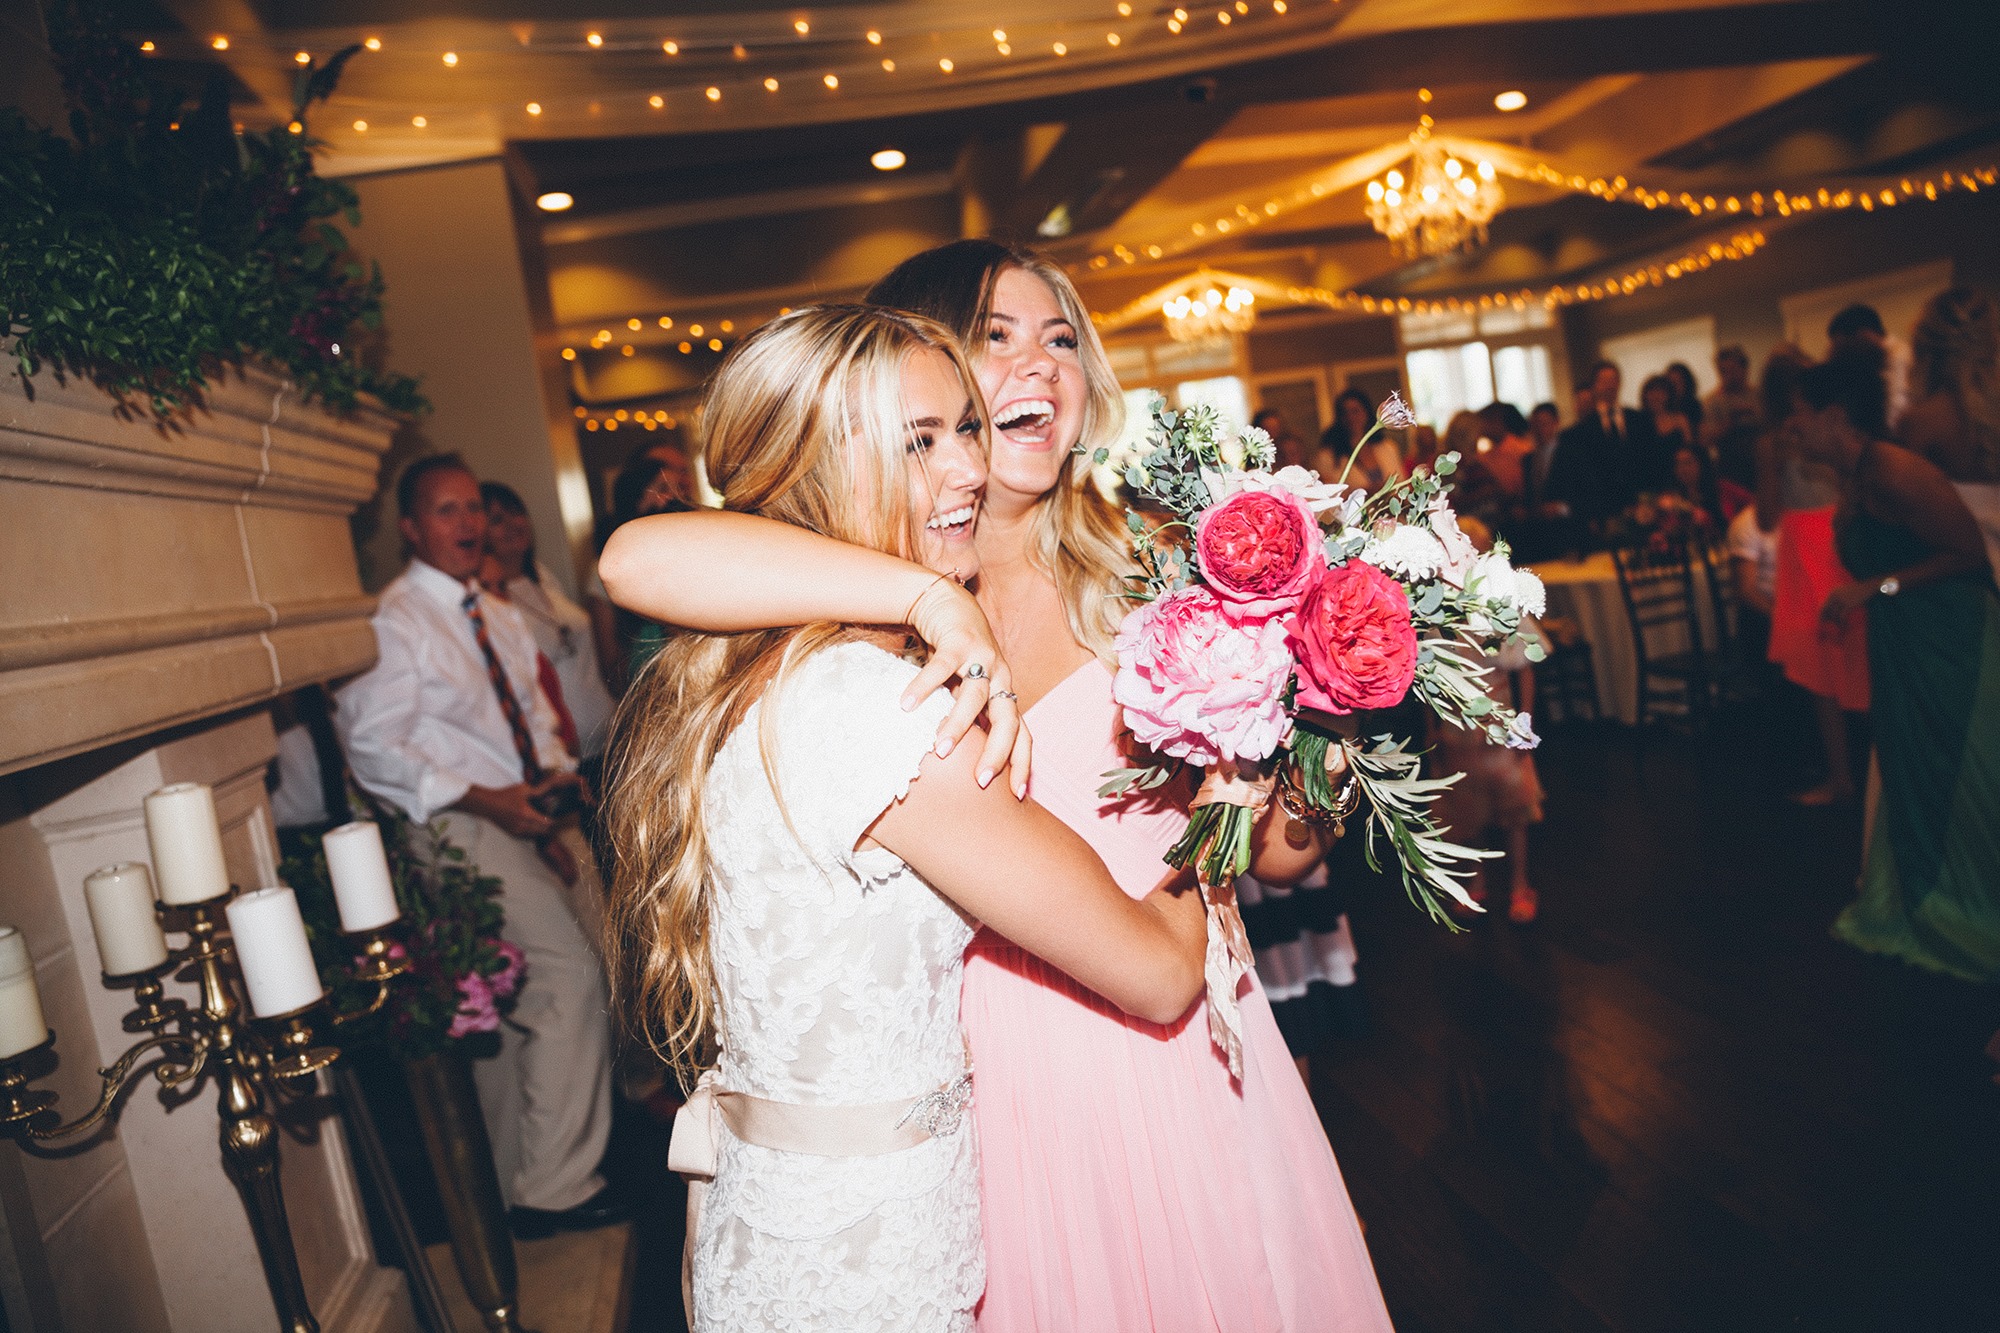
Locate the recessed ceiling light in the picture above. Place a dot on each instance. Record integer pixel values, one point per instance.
(888, 159)
(831, 80)
(419, 121)
(361, 127)
(555, 201)
(801, 27)
(671, 48)
(713, 94)
(1511, 100)
(451, 59)
(595, 38)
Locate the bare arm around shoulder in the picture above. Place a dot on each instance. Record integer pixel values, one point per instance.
(724, 572)
(1020, 870)
(1916, 494)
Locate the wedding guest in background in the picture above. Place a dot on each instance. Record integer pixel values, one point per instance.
(1500, 792)
(563, 630)
(1693, 480)
(1860, 326)
(1423, 451)
(1955, 422)
(1513, 446)
(450, 725)
(1658, 432)
(1291, 451)
(1380, 463)
(493, 580)
(1930, 882)
(1686, 397)
(1753, 572)
(1595, 474)
(1732, 404)
(1795, 498)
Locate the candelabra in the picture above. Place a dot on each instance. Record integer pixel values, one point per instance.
(247, 1057)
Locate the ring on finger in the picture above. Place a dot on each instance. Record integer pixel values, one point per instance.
(1006, 694)
(974, 671)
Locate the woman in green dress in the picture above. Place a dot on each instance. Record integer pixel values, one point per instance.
(1930, 891)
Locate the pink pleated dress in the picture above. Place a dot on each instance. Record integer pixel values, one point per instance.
(1127, 1184)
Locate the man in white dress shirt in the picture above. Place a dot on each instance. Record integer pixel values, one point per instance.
(451, 725)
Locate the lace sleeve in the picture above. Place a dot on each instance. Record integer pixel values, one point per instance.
(850, 751)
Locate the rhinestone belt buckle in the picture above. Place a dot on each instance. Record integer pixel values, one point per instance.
(938, 1112)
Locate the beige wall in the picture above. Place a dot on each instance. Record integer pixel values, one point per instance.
(460, 312)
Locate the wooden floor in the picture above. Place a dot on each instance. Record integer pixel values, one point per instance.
(1674, 1104)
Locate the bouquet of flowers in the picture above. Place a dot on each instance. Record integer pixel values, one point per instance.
(463, 973)
(1273, 605)
(1663, 522)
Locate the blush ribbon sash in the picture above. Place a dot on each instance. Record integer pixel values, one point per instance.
(819, 1131)
(1228, 958)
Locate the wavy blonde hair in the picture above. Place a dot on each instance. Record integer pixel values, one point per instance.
(1079, 539)
(1956, 351)
(805, 425)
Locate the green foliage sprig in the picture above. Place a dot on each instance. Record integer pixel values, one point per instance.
(153, 244)
(450, 931)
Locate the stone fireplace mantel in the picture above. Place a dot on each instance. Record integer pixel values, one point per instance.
(160, 574)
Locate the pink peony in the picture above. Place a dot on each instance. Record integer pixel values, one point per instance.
(476, 1010)
(513, 967)
(1357, 648)
(1259, 551)
(1200, 685)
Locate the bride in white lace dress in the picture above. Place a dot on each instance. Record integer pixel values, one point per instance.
(798, 873)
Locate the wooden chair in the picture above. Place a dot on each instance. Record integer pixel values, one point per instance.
(1565, 680)
(1657, 584)
(1738, 671)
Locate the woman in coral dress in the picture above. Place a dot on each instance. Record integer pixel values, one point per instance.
(1127, 1181)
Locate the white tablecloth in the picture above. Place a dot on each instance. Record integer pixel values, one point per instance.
(1586, 592)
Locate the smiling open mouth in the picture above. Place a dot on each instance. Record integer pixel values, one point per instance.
(955, 522)
(1026, 420)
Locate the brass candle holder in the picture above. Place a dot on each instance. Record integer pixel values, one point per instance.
(247, 1057)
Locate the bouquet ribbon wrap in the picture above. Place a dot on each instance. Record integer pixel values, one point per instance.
(1229, 956)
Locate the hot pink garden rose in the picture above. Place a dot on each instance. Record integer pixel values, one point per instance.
(1200, 685)
(1356, 646)
(1259, 551)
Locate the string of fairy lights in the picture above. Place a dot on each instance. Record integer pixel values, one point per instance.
(777, 56)
(1779, 201)
(625, 418)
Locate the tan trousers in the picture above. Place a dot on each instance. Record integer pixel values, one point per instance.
(547, 1095)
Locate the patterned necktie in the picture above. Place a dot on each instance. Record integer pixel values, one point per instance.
(531, 768)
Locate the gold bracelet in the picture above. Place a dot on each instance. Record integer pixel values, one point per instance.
(920, 597)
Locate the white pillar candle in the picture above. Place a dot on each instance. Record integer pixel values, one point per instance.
(187, 843)
(272, 950)
(22, 1026)
(128, 933)
(362, 888)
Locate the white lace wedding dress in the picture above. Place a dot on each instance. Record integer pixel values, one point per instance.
(839, 976)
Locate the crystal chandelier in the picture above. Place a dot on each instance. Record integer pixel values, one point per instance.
(1442, 207)
(1201, 316)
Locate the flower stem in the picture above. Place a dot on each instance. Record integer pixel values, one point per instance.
(1355, 452)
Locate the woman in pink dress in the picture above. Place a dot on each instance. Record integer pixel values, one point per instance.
(1127, 1181)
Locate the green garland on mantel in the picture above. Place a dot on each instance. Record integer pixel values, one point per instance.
(154, 244)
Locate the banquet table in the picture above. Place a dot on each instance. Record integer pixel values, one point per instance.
(1585, 592)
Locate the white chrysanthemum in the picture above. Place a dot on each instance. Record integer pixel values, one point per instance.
(1406, 550)
(1498, 581)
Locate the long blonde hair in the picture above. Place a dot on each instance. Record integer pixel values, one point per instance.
(1078, 539)
(805, 425)
(1956, 351)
